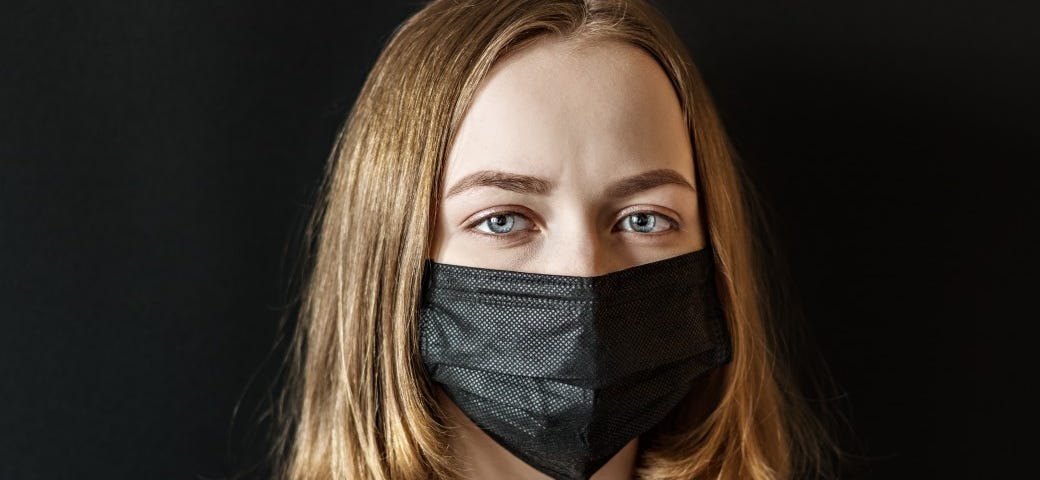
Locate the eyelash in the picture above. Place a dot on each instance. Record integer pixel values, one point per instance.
(673, 225)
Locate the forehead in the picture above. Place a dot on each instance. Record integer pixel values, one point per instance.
(562, 108)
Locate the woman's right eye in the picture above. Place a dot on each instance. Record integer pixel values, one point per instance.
(502, 223)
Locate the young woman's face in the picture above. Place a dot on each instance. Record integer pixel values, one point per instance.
(570, 161)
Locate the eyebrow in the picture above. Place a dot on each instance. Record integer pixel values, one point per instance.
(629, 186)
(528, 184)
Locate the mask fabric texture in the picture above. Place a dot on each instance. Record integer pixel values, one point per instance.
(563, 371)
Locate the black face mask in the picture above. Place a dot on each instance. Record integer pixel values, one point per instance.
(564, 371)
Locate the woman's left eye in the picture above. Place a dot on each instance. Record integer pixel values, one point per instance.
(646, 222)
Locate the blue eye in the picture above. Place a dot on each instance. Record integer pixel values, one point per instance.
(646, 222)
(502, 223)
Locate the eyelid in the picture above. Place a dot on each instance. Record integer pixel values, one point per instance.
(625, 213)
(481, 217)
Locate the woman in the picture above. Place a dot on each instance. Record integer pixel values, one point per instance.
(565, 152)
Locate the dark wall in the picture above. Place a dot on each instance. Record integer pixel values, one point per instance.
(157, 160)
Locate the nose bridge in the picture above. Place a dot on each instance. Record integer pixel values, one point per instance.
(580, 252)
(577, 244)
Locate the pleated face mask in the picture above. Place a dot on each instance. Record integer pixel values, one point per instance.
(564, 371)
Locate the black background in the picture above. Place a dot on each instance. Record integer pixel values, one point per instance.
(157, 160)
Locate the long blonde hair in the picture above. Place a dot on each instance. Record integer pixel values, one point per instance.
(356, 403)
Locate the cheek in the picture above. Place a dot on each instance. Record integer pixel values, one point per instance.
(450, 242)
(439, 237)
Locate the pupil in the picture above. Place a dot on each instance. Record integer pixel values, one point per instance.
(641, 222)
(500, 223)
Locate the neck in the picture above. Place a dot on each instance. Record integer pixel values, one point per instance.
(480, 456)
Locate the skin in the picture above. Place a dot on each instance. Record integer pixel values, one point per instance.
(580, 118)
